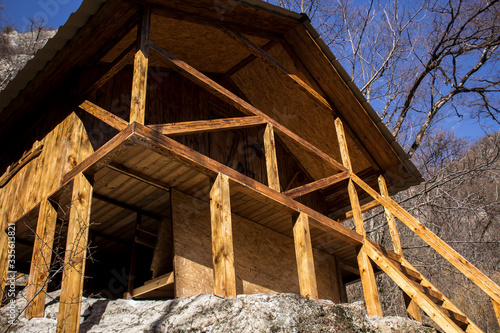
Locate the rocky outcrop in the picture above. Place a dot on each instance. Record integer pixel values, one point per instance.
(208, 313)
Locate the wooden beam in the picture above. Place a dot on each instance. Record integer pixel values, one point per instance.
(103, 115)
(433, 310)
(4, 259)
(125, 206)
(116, 66)
(317, 185)
(270, 61)
(469, 270)
(222, 238)
(41, 259)
(367, 274)
(364, 208)
(214, 125)
(344, 151)
(496, 308)
(252, 30)
(164, 281)
(396, 243)
(136, 175)
(304, 255)
(68, 319)
(235, 101)
(140, 78)
(273, 177)
(411, 306)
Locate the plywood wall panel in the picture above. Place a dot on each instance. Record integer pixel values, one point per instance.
(264, 260)
(63, 148)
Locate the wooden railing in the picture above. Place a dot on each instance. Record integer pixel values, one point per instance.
(446, 251)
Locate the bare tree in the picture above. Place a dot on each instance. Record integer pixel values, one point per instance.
(418, 63)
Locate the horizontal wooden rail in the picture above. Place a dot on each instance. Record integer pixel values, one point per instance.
(103, 115)
(460, 263)
(214, 125)
(364, 208)
(202, 80)
(317, 185)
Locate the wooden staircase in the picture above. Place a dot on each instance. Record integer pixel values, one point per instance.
(426, 295)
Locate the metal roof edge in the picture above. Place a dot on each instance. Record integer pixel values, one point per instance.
(366, 105)
(65, 33)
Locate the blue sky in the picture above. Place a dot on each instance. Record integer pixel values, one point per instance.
(53, 12)
(56, 12)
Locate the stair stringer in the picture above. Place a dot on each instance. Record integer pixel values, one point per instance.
(428, 306)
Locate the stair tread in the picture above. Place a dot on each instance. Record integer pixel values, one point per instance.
(458, 318)
(436, 296)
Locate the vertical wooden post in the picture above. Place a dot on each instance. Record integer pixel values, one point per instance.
(68, 319)
(131, 274)
(496, 307)
(305, 260)
(273, 179)
(41, 259)
(222, 238)
(367, 274)
(391, 221)
(140, 78)
(411, 306)
(4, 260)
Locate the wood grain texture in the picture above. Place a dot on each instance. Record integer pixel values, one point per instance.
(265, 259)
(222, 238)
(496, 307)
(273, 176)
(469, 270)
(64, 147)
(140, 78)
(191, 127)
(370, 291)
(107, 117)
(305, 260)
(4, 260)
(345, 102)
(41, 259)
(428, 306)
(68, 318)
(235, 101)
(317, 185)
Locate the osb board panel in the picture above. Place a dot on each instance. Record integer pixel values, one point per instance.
(278, 53)
(204, 47)
(63, 148)
(233, 13)
(264, 259)
(283, 100)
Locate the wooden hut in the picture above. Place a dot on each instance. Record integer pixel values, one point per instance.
(209, 146)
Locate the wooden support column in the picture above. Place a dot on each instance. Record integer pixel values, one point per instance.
(4, 260)
(367, 274)
(68, 319)
(273, 179)
(305, 260)
(133, 254)
(411, 306)
(140, 78)
(496, 307)
(222, 238)
(41, 259)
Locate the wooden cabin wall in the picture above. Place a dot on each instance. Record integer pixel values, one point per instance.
(63, 148)
(264, 259)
